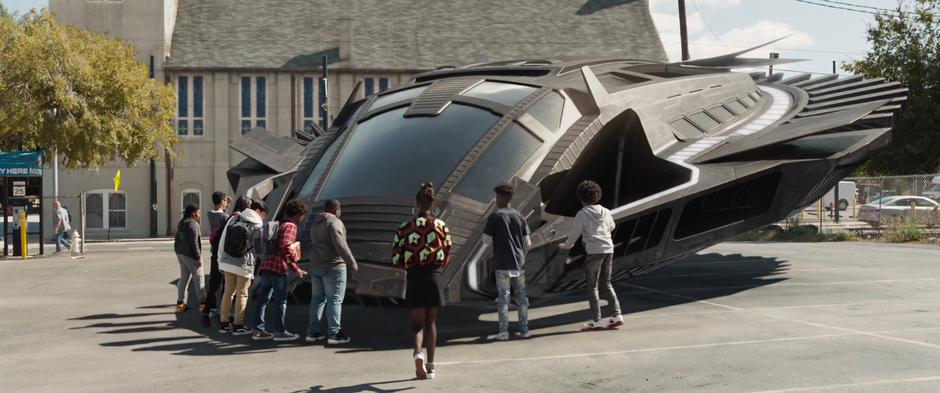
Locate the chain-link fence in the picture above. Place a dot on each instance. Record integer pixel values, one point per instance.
(862, 203)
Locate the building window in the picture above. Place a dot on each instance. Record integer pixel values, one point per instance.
(314, 99)
(105, 209)
(189, 114)
(191, 196)
(373, 85)
(253, 103)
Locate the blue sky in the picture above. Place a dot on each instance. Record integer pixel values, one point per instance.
(819, 34)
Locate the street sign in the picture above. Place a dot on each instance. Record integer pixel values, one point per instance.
(19, 191)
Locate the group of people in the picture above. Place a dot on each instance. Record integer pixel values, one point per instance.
(247, 249)
(421, 246)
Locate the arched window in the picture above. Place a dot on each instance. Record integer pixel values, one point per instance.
(191, 196)
(105, 209)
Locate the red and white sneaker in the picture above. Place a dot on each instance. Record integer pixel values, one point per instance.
(615, 322)
(592, 326)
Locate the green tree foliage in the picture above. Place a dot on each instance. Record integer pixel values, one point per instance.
(80, 91)
(906, 49)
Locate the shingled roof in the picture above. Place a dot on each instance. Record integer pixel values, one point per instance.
(407, 34)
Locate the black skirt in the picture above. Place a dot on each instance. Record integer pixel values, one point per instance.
(423, 288)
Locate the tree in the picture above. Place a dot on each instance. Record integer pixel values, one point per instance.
(84, 93)
(906, 49)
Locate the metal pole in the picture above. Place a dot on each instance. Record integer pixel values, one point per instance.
(683, 32)
(42, 221)
(835, 203)
(833, 66)
(6, 205)
(23, 252)
(82, 214)
(55, 173)
(326, 94)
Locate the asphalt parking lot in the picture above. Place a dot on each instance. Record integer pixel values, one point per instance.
(738, 317)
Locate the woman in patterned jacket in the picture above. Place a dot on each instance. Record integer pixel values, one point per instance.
(422, 248)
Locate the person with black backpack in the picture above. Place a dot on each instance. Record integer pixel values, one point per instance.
(237, 261)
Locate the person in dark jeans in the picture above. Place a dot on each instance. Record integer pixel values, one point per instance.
(595, 225)
(274, 270)
(217, 218)
(508, 233)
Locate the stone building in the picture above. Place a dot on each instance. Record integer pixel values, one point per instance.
(239, 64)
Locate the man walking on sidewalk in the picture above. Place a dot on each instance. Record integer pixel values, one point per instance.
(508, 232)
(62, 227)
(330, 257)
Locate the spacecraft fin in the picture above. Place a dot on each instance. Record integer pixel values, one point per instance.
(796, 129)
(733, 60)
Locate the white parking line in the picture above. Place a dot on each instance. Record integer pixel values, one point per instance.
(851, 385)
(684, 347)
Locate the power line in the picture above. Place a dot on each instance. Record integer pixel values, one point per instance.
(708, 25)
(841, 5)
(837, 7)
(857, 5)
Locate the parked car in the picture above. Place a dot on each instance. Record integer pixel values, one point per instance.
(933, 192)
(887, 208)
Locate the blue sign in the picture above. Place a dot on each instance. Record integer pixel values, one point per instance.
(21, 164)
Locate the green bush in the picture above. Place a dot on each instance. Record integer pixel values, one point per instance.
(901, 231)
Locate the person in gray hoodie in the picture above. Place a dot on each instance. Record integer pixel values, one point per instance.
(330, 258)
(188, 248)
(594, 225)
(239, 271)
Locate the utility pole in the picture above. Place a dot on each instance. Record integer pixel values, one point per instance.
(683, 32)
(770, 68)
(153, 178)
(835, 192)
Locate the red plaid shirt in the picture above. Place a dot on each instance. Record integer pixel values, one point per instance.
(284, 256)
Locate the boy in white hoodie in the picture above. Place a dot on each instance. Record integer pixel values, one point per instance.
(594, 225)
(239, 270)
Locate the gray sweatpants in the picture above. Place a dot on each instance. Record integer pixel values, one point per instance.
(189, 273)
(597, 267)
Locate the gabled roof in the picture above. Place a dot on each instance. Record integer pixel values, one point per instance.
(407, 34)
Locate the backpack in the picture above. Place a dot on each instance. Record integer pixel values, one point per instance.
(269, 239)
(239, 238)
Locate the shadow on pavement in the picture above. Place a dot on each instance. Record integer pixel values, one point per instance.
(379, 328)
(363, 387)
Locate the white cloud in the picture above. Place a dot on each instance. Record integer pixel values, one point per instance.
(702, 43)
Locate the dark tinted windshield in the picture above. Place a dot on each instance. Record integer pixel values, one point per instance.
(319, 170)
(390, 155)
(548, 110)
(498, 163)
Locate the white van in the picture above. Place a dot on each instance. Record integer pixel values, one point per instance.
(846, 195)
(933, 192)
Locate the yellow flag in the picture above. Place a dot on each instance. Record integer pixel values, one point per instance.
(117, 180)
